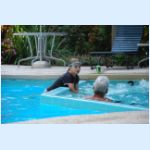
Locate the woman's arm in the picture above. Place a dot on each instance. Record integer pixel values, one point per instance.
(72, 88)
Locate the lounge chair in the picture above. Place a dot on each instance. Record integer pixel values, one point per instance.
(125, 41)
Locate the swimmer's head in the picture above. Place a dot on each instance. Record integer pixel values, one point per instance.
(131, 83)
(101, 85)
(75, 67)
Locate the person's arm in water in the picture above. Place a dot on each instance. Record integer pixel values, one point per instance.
(76, 87)
(72, 87)
(72, 81)
(76, 84)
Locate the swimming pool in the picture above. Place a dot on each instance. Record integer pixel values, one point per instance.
(119, 92)
(22, 100)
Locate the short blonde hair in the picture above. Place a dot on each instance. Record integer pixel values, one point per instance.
(101, 84)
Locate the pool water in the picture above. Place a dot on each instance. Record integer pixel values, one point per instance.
(21, 99)
(119, 92)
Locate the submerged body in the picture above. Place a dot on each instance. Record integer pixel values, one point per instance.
(99, 98)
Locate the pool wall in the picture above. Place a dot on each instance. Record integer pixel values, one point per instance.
(53, 97)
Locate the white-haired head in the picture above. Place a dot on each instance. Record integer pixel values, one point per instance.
(101, 85)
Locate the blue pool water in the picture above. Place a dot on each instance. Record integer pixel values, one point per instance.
(22, 100)
(119, 92)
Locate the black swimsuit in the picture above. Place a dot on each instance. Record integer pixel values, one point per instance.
(63, 81)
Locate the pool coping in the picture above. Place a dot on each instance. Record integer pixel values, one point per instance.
(131, 117)
(26, 72)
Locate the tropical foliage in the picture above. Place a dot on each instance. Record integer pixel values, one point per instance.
(80, 40)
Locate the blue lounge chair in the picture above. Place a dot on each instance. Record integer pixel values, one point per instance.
(125, 41)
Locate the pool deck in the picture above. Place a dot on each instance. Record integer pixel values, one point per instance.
(12, 71)
(119, 73)
(135, 117)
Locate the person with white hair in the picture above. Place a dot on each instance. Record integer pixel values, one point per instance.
(100, 88)
(70, 79)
